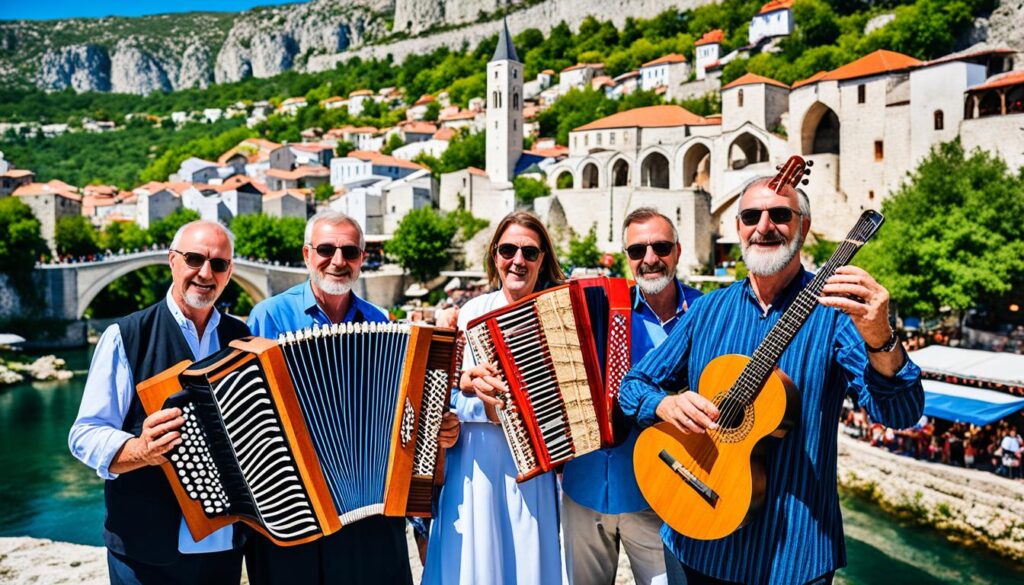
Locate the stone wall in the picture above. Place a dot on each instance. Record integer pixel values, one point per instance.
(965, 504)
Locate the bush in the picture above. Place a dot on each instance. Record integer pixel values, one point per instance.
(420, 244)
(75, 236)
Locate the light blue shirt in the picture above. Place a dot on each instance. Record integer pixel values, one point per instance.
(96, 436)
(296, 309)
(604, 480)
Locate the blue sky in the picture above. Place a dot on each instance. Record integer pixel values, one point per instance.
(22, 9)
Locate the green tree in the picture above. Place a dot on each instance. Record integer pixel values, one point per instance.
(75, 236)
(465, 150)
(162, 232)
(528, 189)
(433, 111)
(953, 236)
(583, 252)
(269, 238)
(343, 148)
(395, 141)
(22, 246)
(420, 244)
(323, 192)
(126, 235)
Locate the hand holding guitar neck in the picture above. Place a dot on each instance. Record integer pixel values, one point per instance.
(855, 292)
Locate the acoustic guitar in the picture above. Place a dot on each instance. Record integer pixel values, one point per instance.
(706, 486)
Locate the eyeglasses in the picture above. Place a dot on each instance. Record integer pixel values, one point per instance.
(349, 252)
(777, 215)
(196, 260)
(638, 251)
(508, 251)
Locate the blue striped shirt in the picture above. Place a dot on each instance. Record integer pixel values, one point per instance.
(798, 534)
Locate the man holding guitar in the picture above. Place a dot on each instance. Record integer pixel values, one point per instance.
(786, 525)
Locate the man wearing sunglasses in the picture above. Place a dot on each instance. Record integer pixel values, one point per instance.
(373, 550)
(146, 537)
(845, 345)
(603, 508)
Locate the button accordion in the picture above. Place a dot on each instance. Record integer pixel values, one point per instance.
(301, 436)
(562, 353)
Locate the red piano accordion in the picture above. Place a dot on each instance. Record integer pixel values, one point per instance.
(300, 436)
(562, 353)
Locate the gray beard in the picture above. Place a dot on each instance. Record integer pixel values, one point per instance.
(769, 263)
(654, 286)
(197, 301)
(330, 287)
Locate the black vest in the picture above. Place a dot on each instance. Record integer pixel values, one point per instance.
(143, 517)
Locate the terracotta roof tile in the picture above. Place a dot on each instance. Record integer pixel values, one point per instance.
(299, 173)
(774, 5)
(812, 79)
(424, 100)
(753, 78)
(1002, 80)
(476, 171)
(296, 193)
(384, 160)
(444, 134)
(714, 36)
(649, 117)
(54, 187)
(670, 58)
(17, 173)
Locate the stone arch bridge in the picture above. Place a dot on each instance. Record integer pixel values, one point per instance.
(70, 288)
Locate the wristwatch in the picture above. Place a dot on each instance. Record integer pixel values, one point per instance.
(885, 347)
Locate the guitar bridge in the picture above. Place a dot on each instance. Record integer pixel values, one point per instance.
(692, 480)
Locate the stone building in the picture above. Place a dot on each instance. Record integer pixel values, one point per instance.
(49, 203)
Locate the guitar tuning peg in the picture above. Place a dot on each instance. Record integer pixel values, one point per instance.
(807, 172)
(778, 167)
(805, 181)
(810, 163)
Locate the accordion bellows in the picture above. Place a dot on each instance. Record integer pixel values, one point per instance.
(562, 353)
(302, 436)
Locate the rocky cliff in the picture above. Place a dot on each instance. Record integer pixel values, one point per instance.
(176, 51)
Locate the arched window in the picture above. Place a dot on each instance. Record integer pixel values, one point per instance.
(739, 97)
(620, 173)
(589, 176)
(654, 171)
(515, 101)
(564, 180)
(938, 120)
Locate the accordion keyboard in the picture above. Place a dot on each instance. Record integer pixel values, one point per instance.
(524, 339)
(263, 456)
(511, 420)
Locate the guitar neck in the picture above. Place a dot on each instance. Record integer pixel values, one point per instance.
(767, 355)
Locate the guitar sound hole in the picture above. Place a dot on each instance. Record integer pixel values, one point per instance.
(730, 414)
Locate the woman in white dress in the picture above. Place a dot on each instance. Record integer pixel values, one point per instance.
(489, 529)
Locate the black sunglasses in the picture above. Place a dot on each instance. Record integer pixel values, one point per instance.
(777, 215)
(508, 251)
(638, 251)
(196, 260)
(349, 252)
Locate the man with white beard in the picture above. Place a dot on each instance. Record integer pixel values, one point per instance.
(846, 345)
(146, 537)
(374, 549)
(602, 504)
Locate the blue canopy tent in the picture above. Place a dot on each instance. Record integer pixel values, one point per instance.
(1002, 373)
(965, 404)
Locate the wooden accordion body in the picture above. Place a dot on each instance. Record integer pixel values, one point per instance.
(562, 353)
(301, 436)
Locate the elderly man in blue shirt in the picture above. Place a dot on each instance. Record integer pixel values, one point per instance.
(602, 504)
(372, 550)
(846, 345)
(145, 534)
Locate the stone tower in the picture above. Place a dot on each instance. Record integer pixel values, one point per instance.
(504, 110)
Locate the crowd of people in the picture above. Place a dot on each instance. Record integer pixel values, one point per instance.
(995, 447)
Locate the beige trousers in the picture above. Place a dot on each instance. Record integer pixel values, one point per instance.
(592, 545)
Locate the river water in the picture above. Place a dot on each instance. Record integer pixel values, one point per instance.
(46, 493)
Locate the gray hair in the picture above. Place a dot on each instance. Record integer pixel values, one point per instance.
(176, 241)
(643, 214)
(332, 217)
(802, 200)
